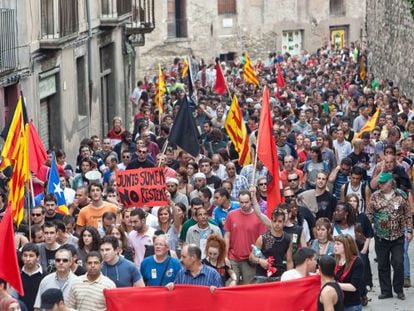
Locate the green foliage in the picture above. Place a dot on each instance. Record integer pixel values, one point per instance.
(411, 2)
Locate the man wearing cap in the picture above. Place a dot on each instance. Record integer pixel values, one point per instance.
(52, 299)
(176, 196)
(390, 213)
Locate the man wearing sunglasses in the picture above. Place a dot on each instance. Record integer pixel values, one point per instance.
(37, 216)
(62, 279)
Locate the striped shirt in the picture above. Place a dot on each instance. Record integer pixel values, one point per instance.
(207, 277)
(86, 295)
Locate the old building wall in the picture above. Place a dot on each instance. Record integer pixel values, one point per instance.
(390, 33)
(258, 26)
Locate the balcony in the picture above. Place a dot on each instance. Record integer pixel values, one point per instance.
(115, 12)
(60, 22)
(143, 18)
(8, 41)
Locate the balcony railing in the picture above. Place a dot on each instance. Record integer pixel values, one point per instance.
(60, 20)
(143, 17)
(115, 11)
(8, 40)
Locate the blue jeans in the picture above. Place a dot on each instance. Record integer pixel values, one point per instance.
(406, 258)
(354, 308)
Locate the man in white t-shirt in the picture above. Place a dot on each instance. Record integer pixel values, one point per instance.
(305, 261)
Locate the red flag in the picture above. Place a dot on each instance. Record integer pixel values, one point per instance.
(280, 81)
(220, 87)
(267, 153)
(37, 152)
(9, 267)
(299, 294)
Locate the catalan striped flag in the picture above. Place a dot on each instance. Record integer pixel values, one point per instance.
(16, 153)
(370, 125)
(159, 94)
(185, 68)
(249, 72)
(54, 186)
(236, 129)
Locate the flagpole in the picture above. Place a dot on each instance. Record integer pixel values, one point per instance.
(33, 204)
(164, 149)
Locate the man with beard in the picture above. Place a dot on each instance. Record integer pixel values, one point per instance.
(125, 144)
(176, 196)
(50, 203)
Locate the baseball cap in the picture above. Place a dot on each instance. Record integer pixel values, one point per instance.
(50, 297)
(385, 177)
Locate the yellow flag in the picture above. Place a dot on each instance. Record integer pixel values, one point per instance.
(249, 72)
(185, 68)
(159, 94)
(370, 125)
(237, 132)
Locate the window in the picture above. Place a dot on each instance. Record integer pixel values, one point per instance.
(226, 6)
(81, 81)
(336, 7)
(177, 19)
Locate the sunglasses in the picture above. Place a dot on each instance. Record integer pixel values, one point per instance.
(263, 184)
(126, 157)
(142, 151)
(289, 197)
(65, 260)
(36, 215)
(295, 179)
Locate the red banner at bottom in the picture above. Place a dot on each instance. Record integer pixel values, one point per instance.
(295, 295)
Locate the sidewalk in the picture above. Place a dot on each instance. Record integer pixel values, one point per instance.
(393, 303)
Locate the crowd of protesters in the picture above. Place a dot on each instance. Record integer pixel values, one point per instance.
(341, 191)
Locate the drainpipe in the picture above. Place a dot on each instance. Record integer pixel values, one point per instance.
(90, 80)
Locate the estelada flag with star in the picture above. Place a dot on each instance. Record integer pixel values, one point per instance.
(54, 186)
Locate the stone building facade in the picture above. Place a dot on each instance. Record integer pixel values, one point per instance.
(390, 34)
(226, 28)
(74, 62)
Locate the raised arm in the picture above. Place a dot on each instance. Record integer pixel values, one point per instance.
(263, 218)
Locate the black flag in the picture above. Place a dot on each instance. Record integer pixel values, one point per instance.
(184, 132)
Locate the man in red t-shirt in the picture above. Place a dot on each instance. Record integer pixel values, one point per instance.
(242, 228)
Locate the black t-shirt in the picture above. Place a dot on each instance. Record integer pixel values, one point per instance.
(214, 181)
(79, 270)
(56, 217)
(50, 260)
(326, 205)
(138, 164)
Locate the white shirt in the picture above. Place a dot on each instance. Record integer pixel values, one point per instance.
(291, 275)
